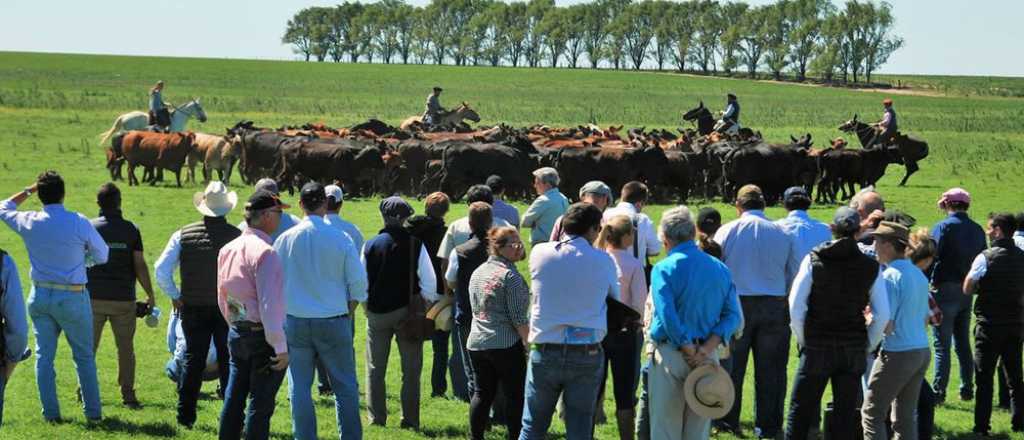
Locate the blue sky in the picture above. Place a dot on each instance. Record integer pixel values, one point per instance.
(956, 37)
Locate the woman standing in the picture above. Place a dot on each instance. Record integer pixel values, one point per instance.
(158, 114)
(497, 337)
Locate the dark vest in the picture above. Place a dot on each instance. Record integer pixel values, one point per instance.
(389, 262)
(840, 291)
(471, 255)
(893, 126)
(115, 280)
(200, 243)
(1001, 291)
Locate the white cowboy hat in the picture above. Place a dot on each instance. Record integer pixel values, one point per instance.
(441, 313)
(709, 391)
(216, 201)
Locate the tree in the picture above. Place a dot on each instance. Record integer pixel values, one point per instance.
(344, 31)
(485, 29)
(436, 30)
(776, 45)
(732, 17)
(512, 32)
(664, 31)
(553, 33)
(595, 31)
(709, 26)
(300, 33)
(827, 55)
(635, 28)
(681, 17)
(880, 44)
(806, 20)
(405, 17)
(857, 18)
(753, 39)
(574, 33)
(532, 46)
(384, 20)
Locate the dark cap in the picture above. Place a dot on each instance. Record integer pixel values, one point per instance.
(395, 207)
(313, 195)
(709, 220)
(730, 96)
(846, 219)
(495, 182)
(794, 192)
(438, 89)
(263, 200)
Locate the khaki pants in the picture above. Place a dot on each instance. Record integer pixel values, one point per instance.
(121, 315)
(896, 380)
(671, 418)
(381, 328)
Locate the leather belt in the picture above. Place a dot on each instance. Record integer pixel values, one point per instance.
(247, 326)
(57, 286)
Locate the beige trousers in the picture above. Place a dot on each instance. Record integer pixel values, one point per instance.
(671, 419)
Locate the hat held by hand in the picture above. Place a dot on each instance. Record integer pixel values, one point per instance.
(709, 392)
(215, 201)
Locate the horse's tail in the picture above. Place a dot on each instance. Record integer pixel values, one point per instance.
(105, 136)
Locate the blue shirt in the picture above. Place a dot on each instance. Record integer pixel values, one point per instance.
(759, 253)
(12, 305)
(541, 215)
(694, 298)
(156, 100)
(322, 272)
(58, 242)
(288, 221)
(806, 231)
(908, 306)
(348, 228)
(958, 240)
(506, 212)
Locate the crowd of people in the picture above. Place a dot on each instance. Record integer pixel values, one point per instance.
(276, 297)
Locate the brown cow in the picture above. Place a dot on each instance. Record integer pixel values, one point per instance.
(216, 153)
(158, 150)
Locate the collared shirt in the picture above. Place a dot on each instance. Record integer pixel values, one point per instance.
(500, 301)
(806, 231)
(60, 243)
(12, 305)
(759, 253)
(1018, 239)
(693, 297)
(647, 243)
(288, 221)
(632, 279)
(801, 292)
(166, 264)
(250, 285)
(322, 270)
(506, 212)
(570, 281)
(541, 215)
(958, 239)
(348, 228)
(459, 232)
(908, 301)
(156, 100)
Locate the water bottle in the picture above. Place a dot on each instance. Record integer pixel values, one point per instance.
(153, 318)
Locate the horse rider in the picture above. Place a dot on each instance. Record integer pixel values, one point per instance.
(885, 129)
(158, 113)
(730, 122)
(433, 109)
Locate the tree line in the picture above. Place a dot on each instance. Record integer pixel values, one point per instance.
(801, 38)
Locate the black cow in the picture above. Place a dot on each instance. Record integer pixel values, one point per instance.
(355, 164)
(464, 165)
(613, 166)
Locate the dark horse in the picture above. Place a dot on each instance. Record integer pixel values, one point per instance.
(910, 149)
(701, 114)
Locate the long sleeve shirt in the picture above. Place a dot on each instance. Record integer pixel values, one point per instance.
(632, 280)
(60, 243)
(541, 215)
(759, 253)
(166, 264)
(322, 270)
(459, 232)
(801, 292)
(806, 232)
(348, 228)
(12, 305)
(693, 297)
(1018, 239)
(646, 239)
(908, 300)
(506, 212)
(288, 221)
(156, 100)
(250, 283)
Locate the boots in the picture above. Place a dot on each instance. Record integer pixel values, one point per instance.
(625, 418)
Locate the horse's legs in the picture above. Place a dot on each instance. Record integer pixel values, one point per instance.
(131, 175)
(911, 169)
(177, 176)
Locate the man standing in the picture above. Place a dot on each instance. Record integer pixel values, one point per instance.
(194, 247)
(546, 208)
(807, 232)
(695, 309)
(112, 286)
(836, 282)
(433, 108)
(566, 330)
(287, 220)
(324, 282)
(59, 244)
(997, 277)
(335, 198)
(249, 283)
(15, 324)
(959, 240)
(394, 259)
(594, 192)
(632, 200)
(762, 259)
(459, 231)
(502, 209)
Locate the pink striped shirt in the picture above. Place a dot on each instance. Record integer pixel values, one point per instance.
(250, 285)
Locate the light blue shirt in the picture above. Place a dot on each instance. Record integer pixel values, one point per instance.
(348, 228)
(908, 306)
(322, 272)
(694, 298)
(288, 221)
(58, 242)
(759, 253)
(806, 231)
(570, 281)
(156, 100)
(13, 308)
(1018, 239)
(541, 215)
(506, 212)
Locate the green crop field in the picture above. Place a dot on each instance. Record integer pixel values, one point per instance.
(53, 106)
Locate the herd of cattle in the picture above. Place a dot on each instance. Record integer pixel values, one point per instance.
(375, 158)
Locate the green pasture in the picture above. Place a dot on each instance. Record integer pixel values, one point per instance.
(53, 106)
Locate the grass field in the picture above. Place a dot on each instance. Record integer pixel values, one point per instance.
(53, 106)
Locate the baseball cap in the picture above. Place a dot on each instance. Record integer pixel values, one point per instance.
(313, 194)
(709, 219)
(495, 182)
(596, 187)
(263, 200)
(795, 192)
(335, 192)
(846, 219)
(955, 195)
(267, 184)
(395, 207)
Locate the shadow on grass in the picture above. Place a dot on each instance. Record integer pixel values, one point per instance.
(118, 425)
(972, 436)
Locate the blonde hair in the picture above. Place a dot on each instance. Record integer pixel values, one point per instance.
(921, 246)
(614, 232)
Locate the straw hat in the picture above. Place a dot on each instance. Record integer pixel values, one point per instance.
(441, 313)
(709, 391)
(215, 201)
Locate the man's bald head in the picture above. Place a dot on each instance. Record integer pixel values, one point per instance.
(867, 202)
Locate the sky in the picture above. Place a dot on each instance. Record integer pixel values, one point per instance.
(942, 37)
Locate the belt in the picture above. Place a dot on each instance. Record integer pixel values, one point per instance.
(57, 286)
(567, 347)
(247, 326)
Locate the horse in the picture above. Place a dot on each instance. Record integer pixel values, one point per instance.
(701, 114)
(138, 120)
(910, 149)
(452, 117)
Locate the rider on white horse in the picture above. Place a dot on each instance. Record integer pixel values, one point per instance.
(730, 122)
(433, 108)
(158, 113)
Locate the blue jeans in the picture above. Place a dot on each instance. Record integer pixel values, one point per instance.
(201, 326)
(767, 334)
(52, 312)
(955, 329)
(438, 381)
(330, 339)
(842, 366)
(554, 370)
(252, 379)
(3, 389)
(459, 364)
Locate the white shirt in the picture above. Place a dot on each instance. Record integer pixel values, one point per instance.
(801, 291)
(978, 268)
(166, 264)
(425, 273)
(647, 242)
(459, 232)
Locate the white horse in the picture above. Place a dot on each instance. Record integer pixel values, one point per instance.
(140, 120)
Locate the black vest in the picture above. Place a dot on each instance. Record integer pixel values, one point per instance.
(1001, 291)
(200, 243)
(471, 255)
(389, 263)
(115, 280)
(840, 291)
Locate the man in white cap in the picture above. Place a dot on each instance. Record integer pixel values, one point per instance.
(194, 247)
(594, 192)
(287, 220)
(335, 198)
